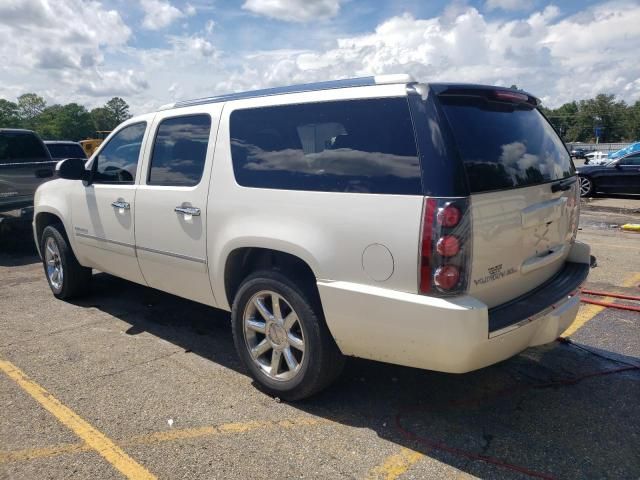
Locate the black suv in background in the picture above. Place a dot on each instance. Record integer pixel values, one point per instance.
(25, 163)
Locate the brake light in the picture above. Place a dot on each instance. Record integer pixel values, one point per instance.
(448, 246)
(447, 277)
(507, 96)
(445, 246)
(449, 216)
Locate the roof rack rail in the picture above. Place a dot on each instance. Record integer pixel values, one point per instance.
(305, 87)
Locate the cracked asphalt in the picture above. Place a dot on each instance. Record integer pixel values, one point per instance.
(159, 377)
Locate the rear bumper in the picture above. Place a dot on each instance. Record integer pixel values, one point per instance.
(448, 335)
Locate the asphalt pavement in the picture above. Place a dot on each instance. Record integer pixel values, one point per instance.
(133, 382)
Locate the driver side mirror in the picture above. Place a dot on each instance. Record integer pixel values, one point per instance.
(617, 165)
(73, 169)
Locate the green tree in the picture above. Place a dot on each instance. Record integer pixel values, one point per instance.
(102, 119)
(118, 110)
(30, 106)
(65, 122)
(9, 114)
(632, 122)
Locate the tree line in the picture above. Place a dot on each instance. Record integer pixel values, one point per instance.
(613, 120)
(576, 121)
(61, 122)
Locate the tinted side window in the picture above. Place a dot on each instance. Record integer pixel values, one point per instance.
(118, 160)
(65, 150)
(21, 147)
(364, 146)
(179, 151)
(631, 160)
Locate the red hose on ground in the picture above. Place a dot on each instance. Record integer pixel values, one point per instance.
(612, 295)
(632, 308)
(435, 445)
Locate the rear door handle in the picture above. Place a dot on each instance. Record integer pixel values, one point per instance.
(193, 211)
(121, 204)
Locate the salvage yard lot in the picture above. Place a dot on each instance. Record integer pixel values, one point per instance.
(141, 383)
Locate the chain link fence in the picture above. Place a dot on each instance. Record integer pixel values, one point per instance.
(600, 147)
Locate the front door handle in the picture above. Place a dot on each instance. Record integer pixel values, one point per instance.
(193, 211)
(121, 204)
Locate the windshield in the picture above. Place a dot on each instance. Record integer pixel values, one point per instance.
(66, 150)
(504, 145)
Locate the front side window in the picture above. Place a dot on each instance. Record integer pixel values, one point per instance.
(179, 151)
(360, 146)
(21, 147)
(118, 160)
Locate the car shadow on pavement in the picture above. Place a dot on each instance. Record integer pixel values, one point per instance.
(526, 412)
(17, 247)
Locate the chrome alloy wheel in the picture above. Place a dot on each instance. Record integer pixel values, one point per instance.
(273, 334)
(585, 186)
(54, 264)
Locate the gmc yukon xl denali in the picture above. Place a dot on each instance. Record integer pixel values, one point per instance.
(427, 225)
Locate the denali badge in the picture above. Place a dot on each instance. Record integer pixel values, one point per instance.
(495, 273)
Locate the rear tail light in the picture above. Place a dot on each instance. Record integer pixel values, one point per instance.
(447, 277)
(449, 216)
(448, 246)
(445, 246)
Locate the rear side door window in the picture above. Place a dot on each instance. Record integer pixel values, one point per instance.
(359, 146)
(117, 162)
(179, 151)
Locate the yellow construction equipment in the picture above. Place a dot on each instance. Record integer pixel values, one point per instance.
(90, 144)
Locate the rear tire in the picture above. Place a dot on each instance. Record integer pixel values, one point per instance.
(586, 187)
(66, 277)
(281, 337)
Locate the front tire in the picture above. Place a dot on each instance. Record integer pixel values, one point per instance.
(66, 277)
(281, 337)
(586, 187)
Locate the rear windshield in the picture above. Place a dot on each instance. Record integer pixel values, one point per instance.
(66, 150)
(20, 147)
(504, 145)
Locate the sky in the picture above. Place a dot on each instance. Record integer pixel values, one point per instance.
(153, 52)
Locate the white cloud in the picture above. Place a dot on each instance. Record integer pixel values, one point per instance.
(159, 14)
(40, 54)
(294, 10)
(556, 57)
(511, 5)
(576, 57)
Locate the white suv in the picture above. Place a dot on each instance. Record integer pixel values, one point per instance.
(423, 225)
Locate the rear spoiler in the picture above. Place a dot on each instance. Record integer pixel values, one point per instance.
(494, 94)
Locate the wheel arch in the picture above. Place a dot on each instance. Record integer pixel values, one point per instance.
(241, 261)
(44, 218)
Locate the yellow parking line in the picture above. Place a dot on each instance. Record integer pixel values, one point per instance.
(160, 437)
(395, 465)
(93, 438)
(587, 311)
